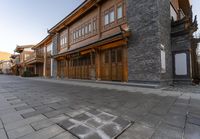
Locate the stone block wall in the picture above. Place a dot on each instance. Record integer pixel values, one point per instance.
(150, 25)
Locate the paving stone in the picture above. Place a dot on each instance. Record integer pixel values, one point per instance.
(94, 122)
(160, 110)
(22, 108)
(11, 118)
(122, 122)
(106, 116)
(17, 103)
(19, 132)
(44, 133)
(111, 129)
(81, 131)
(23, 122)
(25, 111)
(31, 114)
(34, 113)
(158, 135)
(41, 107)
(7, 111)
(55, 113)
(193, 119)
(170, 131)
(82, 117)
(3, 134)
(65, 135)
(73, 113)
(192, 131)
(150, 120)
(42, 124)
(137, 131)
(1, 125)
(94, 111)
(66, 124)
(175, 120)
(59, 118)
(93, 136)
(180, 110)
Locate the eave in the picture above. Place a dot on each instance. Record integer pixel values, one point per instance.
(185, 6)
(46, 40)
(74, 15)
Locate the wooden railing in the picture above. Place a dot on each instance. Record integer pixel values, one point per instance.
(34, 56)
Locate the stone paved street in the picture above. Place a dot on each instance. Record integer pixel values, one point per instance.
(54, 109)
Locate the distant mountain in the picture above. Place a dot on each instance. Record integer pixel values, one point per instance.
(4, 56)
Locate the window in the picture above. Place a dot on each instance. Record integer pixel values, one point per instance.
(74, 35)
(119, 12)
(86, 29)
(94, 25)
(112, 16)
(79, 32)
(83, 31)
(26, 56)
(90, 27)
(109, 17)
(106, 19)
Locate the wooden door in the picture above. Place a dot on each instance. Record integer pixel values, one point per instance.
(105, 65)
(111, 64)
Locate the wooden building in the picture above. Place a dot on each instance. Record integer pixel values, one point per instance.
(15, 60)
(25, 52)
(92, 42)
(42, 57)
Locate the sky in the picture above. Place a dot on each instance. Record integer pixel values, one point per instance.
(25, 22)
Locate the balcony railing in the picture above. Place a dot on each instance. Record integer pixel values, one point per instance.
(35, 56)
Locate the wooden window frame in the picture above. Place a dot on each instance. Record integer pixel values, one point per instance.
(121, 4)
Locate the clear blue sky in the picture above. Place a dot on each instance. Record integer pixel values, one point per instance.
(26, 21)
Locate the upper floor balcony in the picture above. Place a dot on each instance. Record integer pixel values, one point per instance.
(34, 58)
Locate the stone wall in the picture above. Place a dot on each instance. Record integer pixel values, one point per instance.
(150, 25)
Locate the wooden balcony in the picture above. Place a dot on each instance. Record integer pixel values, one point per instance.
(34, 58)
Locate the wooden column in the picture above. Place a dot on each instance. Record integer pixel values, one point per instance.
(98, 65)
(35, 68)
(45, 62)
(99, 21)
(125, 64)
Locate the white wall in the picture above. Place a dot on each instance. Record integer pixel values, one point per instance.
(181, 64)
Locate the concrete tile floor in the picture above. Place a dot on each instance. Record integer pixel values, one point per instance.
(37, 108)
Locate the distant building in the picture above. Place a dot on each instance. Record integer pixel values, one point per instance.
(25, 52)
(5, 67)
(15, 67)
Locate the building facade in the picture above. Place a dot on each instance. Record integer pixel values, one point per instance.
(15, 60)
(42, 57)
(122, 40)
(5, 67)
(25, 52)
